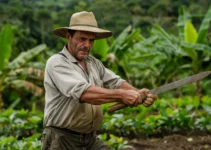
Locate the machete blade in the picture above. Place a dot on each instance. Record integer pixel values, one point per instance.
(181, 82)
(166, 87)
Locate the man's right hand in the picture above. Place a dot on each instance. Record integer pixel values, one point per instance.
(131, 97)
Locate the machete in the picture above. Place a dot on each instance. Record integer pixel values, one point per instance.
(165, 88)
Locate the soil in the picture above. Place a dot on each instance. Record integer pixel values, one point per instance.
(173, 142)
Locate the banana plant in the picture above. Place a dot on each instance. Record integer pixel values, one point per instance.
(115, 54)
(124, 54)
(167, 52)
(10, 70)
(195, 44)
(100, 49)
(150, 62)
(6, 37)
(189, 53)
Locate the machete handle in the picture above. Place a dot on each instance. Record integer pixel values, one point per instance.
(120, 105)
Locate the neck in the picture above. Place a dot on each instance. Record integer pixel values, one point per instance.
(83, 65)
(80, 61)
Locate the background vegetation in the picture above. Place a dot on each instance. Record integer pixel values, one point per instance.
(154, 43)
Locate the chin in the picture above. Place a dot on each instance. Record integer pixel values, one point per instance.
(82, 57)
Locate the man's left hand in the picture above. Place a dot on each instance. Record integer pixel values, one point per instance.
(150, 98)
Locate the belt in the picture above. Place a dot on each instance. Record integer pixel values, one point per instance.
(70, 131)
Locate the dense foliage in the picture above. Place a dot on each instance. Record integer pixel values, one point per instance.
(21, 129)
(33, 20)
(154, 43)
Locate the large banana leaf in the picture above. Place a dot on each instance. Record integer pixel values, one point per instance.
(166, 43)
(204, 27)
(100, 49)
(27, 86)
(123, 49)
(190, 33)
(32, 72)
(190, 37)
(196, 46)
(157, 30)
(184, 16)
(145, 53)
(6, 37)
(24, 57)
(120, 40)
(134, 35)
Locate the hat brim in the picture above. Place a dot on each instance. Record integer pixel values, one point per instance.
(100, 33)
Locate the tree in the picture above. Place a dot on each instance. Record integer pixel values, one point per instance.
(43, 17)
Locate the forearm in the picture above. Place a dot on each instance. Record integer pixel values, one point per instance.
(126, 86)
(126, 94)
(97, 95)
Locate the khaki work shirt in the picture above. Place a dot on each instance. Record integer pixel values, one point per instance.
(65, 81)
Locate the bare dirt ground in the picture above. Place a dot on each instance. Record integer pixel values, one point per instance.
(173, 142)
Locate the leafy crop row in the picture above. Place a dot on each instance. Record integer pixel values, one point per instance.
(21, 129)
(164, 117)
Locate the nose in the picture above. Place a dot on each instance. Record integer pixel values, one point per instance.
(87, 43)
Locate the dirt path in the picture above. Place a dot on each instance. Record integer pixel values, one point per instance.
(173, 142)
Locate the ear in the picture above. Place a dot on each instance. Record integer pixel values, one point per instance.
(68, 36)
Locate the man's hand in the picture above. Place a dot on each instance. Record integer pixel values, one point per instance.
(134, 98)
(150, 98)
(131, 97)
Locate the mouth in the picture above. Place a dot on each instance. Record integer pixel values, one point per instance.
(85, 50)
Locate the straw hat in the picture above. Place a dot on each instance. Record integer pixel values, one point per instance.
(83, 21)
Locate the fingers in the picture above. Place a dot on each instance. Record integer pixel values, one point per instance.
(144, 91)
(130, 97)
(150, 100)
(138, 100)
(134, 98)
(152, 96)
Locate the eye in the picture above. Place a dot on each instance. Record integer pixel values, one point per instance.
(92, 40)
(83, 39)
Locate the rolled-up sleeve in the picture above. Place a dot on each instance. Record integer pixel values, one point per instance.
(69, 82)
(109, 78)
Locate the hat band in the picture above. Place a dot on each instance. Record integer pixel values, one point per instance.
(83, 25)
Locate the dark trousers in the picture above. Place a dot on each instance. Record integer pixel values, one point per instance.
(61, 139)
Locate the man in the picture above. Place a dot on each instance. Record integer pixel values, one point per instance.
(77, 84)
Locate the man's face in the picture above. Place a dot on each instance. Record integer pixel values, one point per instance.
(80, 44)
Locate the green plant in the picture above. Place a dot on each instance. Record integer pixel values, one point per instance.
(6, 36)
(12, 142)
(20, 123)
(166, 116)
(10, 70)
(20, 129)
(195, 44)
(115, 142)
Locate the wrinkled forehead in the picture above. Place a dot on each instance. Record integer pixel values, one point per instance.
(86, 34)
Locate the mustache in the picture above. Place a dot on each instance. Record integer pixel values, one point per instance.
(85, 49)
